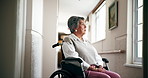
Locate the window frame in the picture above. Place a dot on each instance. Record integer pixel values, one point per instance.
(136, 25)
(95, 18)
(131, 57)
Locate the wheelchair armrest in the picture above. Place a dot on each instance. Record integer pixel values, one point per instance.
(73, 59)
(80, 61)
(105, 60)
(73, 65)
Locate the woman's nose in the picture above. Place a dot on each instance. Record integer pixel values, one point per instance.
(85, 26)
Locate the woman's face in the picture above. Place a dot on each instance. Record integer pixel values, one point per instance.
(81, 28)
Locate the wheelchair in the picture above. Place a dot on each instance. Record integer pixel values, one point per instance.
(72, 67)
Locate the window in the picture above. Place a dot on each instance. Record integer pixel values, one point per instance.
(137, 30)
(99, 19)
(134, 33)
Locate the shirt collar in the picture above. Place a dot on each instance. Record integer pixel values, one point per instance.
(74, 37)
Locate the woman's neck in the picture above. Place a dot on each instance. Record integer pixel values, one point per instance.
(79, 36)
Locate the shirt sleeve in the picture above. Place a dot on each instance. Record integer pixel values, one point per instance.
(69, 51)
(99, 59)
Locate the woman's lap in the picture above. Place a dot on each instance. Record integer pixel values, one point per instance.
(106, 74)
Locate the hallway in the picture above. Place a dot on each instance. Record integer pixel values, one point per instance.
(30, 27)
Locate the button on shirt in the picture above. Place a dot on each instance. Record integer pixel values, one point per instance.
(74, 47)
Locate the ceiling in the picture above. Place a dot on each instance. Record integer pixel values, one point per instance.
(69, 8)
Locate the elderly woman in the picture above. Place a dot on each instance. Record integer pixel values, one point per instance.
(76, 46)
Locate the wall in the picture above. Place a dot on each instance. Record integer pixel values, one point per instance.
(34, 38)
(116, 40)
(41, 34)
(50, 37)
(8, 16)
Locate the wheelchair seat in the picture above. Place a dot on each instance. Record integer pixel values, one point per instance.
(72, 67)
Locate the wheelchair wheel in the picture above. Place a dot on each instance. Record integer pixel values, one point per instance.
(61, 74)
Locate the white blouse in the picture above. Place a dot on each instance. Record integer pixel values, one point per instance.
(74, 47)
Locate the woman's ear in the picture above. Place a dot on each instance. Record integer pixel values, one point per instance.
(76, 29)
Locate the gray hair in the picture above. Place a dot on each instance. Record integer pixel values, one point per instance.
(73, 22)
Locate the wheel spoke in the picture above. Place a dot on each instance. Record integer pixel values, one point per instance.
(61, 74)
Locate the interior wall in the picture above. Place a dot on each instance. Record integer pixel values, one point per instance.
(50, 37)
(28, 41)
(33, 45)
(116, 40)
(8, 17)
(41, 34)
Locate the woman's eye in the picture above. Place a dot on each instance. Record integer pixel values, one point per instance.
(82, 24)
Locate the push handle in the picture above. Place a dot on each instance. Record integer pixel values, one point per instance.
(55, 45)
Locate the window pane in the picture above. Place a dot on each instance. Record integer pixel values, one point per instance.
(100, 23)
(140, 32)
(140, 49)
(140, 15)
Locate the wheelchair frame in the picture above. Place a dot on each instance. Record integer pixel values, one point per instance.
(72, 67)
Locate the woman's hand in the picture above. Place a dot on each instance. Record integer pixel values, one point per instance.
(92, 67)
(96, 68)
(100, 69)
